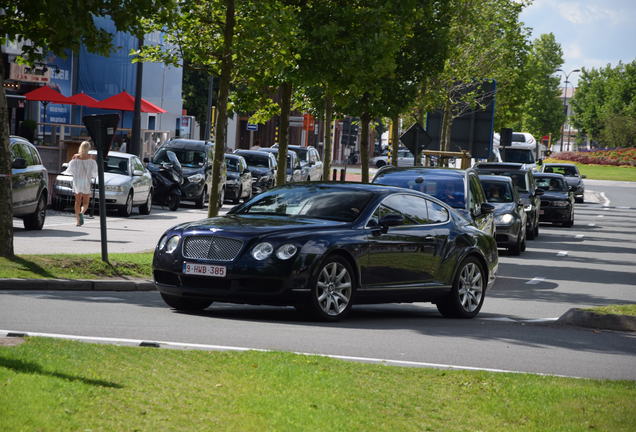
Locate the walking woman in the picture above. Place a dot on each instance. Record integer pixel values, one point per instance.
(83, 168)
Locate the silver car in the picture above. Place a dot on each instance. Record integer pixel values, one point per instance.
(128, 184)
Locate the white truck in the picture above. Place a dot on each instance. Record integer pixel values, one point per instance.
(523, 149)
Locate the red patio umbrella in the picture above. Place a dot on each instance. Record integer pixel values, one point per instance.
(124, 101)
(82, 99)
(46, 94)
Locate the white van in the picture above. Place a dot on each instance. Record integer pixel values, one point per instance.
(522, 150)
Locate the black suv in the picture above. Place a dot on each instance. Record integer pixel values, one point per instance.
(460, 189)
(195, 157)
(524, 182)
(30, 182)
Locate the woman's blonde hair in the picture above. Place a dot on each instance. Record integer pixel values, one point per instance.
(84, 147)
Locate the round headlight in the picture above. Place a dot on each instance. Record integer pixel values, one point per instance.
(172, 243)
(162, 242)
(504, 219)
(262, 251)
(286, 251)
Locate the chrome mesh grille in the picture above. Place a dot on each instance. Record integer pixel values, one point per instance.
(211, 248)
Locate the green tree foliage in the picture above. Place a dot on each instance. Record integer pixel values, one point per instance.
(604, 105)
(194, 93)
(543, 112)
(54, 26)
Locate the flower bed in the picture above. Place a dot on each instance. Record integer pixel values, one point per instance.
(618, 157)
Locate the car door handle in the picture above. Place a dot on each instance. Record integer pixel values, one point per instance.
(429, 238)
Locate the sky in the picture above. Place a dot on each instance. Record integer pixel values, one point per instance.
(592, 33)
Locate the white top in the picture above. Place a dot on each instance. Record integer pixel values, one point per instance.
(82, 170)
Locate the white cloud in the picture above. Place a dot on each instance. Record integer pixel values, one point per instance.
(586, 13)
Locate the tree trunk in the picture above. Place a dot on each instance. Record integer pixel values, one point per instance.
(224, 90)
(395, 139)
(327, 156)
(6, 201)
(283, 132)
(365, 119)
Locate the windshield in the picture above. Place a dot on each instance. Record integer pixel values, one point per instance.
(551, 184)
(497, 192)
(116, 165)
(256, 160)
(187, 158)
(524, 156)
(310, 201)
(565, 170)
(447, 189)
(302, 153)
(518, 177)
(232, 164)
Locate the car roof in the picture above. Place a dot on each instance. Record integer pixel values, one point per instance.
(560, 164)
(187, 143)
(542, 174)
(449, 172)
(495, 178)
(233, 156)
(499, 165)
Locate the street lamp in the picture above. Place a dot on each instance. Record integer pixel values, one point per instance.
(565, 106)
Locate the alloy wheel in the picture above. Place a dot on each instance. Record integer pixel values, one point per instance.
(470, 287)
(333, 288)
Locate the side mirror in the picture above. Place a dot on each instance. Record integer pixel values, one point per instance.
(138, 173)
(146, 160)
(572, 188)
(583, 176)
(487, 208)
(390, 220)
(539, 192)
(19, 163)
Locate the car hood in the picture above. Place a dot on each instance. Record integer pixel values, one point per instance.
(259, 171)
(573, 181)
(232, 175)
(255, 225)
(109, 178)
(554, 196)
(190, 171)
(503, 208)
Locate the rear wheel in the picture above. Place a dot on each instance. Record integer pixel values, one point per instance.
(35, 221)
(468, 292)
(185, 303)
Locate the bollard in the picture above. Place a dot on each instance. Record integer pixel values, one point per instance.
(334, 176)
(343, 174)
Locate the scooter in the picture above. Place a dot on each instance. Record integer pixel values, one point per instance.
(167, 178)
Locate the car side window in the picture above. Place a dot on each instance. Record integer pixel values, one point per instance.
(137, 165)
(413, 208)
(436, 213)
(316, 155)
(35, 156)
(477, 196)
(22, 151)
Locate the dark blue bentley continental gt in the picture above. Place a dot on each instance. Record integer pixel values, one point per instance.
(323, 247)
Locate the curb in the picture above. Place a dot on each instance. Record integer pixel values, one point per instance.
(585, 318)
(76, 285)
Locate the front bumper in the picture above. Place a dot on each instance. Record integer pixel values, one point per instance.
(554, 214)
(232, 191)
(64, 194)
(506, 235)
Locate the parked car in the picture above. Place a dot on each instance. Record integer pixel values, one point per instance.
(557, 203)
(459, 189)
(239, 180)
(325, 246)
(127, 182)
(30, 183)
(510, 217)
(523, 181)
(404, 159)
(310, 163)
(294, 170)
(196, 158)
(572, 176)
(262, 167)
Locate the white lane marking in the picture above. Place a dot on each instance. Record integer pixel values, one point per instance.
(600, 215)
(623, 207)
(591, 225)
(504, 319)
(104, 298)
(540, 320)
(606, 201)
(562, 253)
(535, 281)
(164, 344)
(579, 236)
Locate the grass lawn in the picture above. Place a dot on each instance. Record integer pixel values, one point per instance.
(133, 265)
(57, 385)
(603, 172)
(624, 309)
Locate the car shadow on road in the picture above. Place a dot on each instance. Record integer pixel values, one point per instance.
(74, 232)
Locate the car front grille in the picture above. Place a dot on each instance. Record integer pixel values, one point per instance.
(546, 203)
(211, 248)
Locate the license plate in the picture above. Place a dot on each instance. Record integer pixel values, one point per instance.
(541, 212)
(204, 269)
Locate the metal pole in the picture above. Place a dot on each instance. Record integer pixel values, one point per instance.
(565, 110)
(102, 193)
(135, 147)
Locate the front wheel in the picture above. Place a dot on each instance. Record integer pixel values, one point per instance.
(468, 292)
(146, 207)
(35, 221)
(238, 195)
(173, 201)
(186, 304)
(380, 164)
(516, 248)
(332, 290)
(126, 209)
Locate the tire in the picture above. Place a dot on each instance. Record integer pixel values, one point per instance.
(200, 201)
(579, 200)
(222, 198)
(58, 203)
(523, 244)
(173, 201)
(35, 221)
(468, 292)
(380, 163)
(238, 195)
(536, 230)
(569, 223)
(126, 209)
(331, 289)
(516, 248)
(146, 207)
(186, 304)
